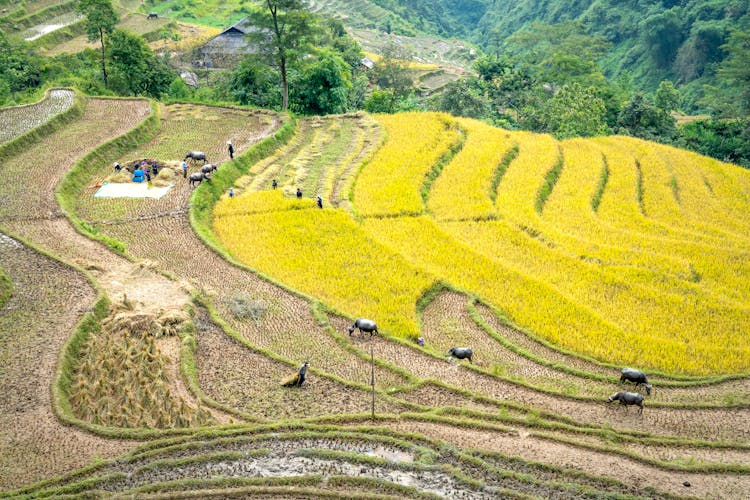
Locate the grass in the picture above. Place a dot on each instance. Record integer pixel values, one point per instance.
(6, 287)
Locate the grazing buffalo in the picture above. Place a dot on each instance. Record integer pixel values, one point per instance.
(195, 156)
(364, 325)
(461, 353)
(152, 15)
(198, 177)
(208, 168)
(628, 398)
(637, 377)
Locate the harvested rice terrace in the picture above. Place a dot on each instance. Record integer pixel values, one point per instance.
(437, 227)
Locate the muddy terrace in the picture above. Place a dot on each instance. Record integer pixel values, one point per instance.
(139, 358)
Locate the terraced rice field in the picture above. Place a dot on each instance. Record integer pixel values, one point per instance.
(18, 120)
(555, 261)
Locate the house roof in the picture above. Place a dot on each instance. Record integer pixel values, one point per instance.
(243, 26)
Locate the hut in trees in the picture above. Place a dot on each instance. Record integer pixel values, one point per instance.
(226, 49)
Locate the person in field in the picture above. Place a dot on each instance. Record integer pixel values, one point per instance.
(298, 379)
(299, 193)
(184, 169)
(231, 149)
(274, 184)
(319, 200)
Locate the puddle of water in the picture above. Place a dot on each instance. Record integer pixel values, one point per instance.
(52, 25)
(391, 455)
(8, 242)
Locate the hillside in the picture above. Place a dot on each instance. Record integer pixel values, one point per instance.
(679, 40)
(145, 340)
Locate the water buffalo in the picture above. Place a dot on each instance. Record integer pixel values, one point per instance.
(637, 377)
(152, 15)
(628, 398)
(208, 168)
(364, 325)
(461, 353)
(195, 156)
(197, 178)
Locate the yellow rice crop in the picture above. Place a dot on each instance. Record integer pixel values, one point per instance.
(324, 253)
(462, 190)
(537, 306)
(391, 183)
(655, 281)
(517, 191)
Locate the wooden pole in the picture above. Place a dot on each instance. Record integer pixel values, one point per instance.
(372, 378)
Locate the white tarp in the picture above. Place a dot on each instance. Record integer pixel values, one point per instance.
(131, 190)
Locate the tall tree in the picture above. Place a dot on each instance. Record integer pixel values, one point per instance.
(391, 73)
(140, 72)
(101, 19)
(574, 111)
(323, 85)
(283, 29)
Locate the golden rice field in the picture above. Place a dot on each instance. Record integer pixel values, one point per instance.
(627, 251)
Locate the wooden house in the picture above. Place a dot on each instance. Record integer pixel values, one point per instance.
(226, 49)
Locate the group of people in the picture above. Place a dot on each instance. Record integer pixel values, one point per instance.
(141, 171)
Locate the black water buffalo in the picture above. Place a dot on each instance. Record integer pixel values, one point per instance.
(197, 178)
(637, 377)
(364, 325)
(195, 156)
(152, 15)
(208, 168)
(461, 353)
(628, 398)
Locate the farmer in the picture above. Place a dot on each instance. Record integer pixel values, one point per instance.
(302, 372)
(231, 192)
(274, 184)
(118, 167)
(184, 169)
(319, 199)
(155, 168)
(299, 193)
(231, 149)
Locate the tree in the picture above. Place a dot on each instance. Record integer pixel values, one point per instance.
(640, 118)
(460, 99)
(667, 97)
(381, 101)
(392, 71)
(19, 68)
(574, 111)
(254, 83)
(140, 72)
(324, 85)
(282, 30)
(101, 19)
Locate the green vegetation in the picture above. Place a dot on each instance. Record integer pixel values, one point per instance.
(6, 287)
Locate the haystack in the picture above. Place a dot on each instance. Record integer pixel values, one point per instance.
(290, 381)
